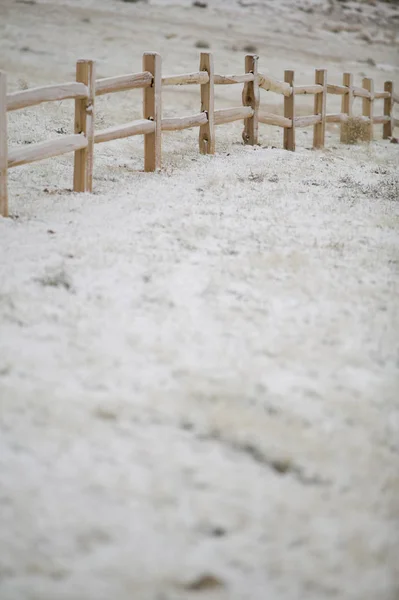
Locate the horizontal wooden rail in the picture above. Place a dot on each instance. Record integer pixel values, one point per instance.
(336, 117)
(179, 123)
(228, 115)
(308, 89)
(381, 120)
(307, 121)
(361, 92)
(188, 78)
(381, 95)
(48, 149)
(273, 85)
(47, 93)
(231, 79)
(122, 83)
(340, 90)
(396, 98)
(139, 127)
(271, 119)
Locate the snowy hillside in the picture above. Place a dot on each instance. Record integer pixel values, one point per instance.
(199, 369)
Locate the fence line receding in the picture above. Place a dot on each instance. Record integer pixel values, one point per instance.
(85, 89)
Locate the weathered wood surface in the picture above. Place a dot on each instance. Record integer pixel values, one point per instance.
(206, 139)
(337, 89)
(319, 130)
(152, 109)
(186, 79)
(308, 89)
(231, 79)
(387, 129)
(270, 84)
(48, 93)
(335, 117)
(138, 127)
(122, 83)
(361, 92)
(307, 121)
(368, 104)
(346, 102)
(289, 112)
(271, 119)
(381, 120)
(228, 115)
(48, 149)
(84, 123)
(378, 95)
(251, 98)
(179, 123)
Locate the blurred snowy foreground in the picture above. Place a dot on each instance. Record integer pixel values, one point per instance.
(199, 381)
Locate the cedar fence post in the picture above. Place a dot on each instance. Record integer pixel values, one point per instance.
(388, 111)
(84, 123)
(347, 102)
(251, 97)
(207, 131)
(289, 112)
(319, 130)
(3, 146)
(368, 105)
(152, 109)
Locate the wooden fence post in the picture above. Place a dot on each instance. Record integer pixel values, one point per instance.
(251, 97)
(289, 112)
(368, 105)
(388, 111)
(319, 130)
(346, 102)
(3, 146)
(207, 131)
(84, 123)
(152, 109)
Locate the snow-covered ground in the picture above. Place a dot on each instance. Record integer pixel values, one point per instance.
(199, 369)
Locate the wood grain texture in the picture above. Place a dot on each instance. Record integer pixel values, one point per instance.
(84, 123)
(152, 109)
(179, 123)
(289, 112)
(139, 127)
(368, 104)
(346, 102)
(339, 90)
(122, 83)
(387, 130)
(48, 93)
(270, 84)
(207, 130)
(229, 115)
(186, 79)
(34, 152)
(272, 119)
(319, 130)
(251, 98)
(307, 121)
(309, 89)
(231, 79)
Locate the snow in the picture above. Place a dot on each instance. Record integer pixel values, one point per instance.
(199, 368)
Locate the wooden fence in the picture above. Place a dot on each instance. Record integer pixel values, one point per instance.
(86, 88)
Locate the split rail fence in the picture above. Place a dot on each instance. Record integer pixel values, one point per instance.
(86, 88)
